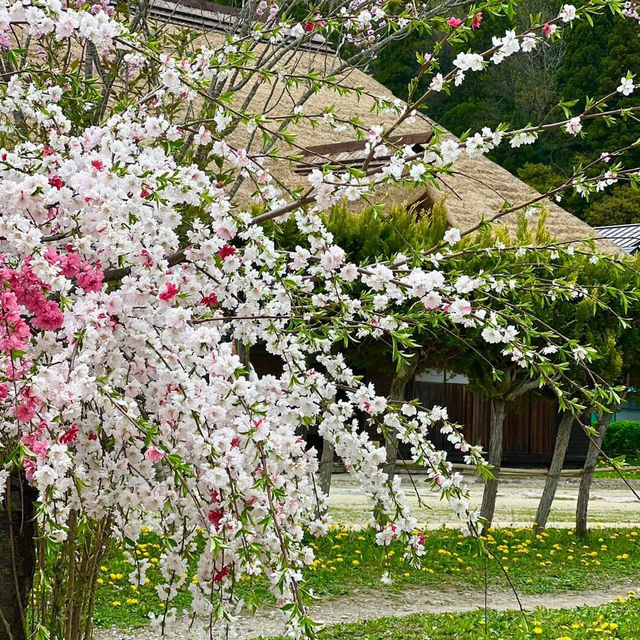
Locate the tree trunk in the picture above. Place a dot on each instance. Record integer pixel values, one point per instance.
(398, 391)
(587, 474)
(553, 477)
(17, 556)
(487, 510)
(326, 467)
(244, 354)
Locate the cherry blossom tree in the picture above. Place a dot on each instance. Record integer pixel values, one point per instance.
(138, 163)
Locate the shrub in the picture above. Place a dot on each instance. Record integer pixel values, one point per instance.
(622, 438)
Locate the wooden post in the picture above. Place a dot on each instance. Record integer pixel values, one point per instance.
(326, 466)
(401, 379)
(553, 476)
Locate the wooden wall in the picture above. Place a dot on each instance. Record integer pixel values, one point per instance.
(530, 425)
(529, 430)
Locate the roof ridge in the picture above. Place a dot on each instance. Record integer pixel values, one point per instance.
(217, 17)
(615, 226)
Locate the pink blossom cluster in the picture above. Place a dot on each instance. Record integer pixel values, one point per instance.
(27, 291)
(148, 365)
(88, 277)
(632, 10)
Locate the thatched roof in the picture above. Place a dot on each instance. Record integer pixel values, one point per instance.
(479, 188)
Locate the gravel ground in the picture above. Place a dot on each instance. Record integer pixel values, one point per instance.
(611, 501)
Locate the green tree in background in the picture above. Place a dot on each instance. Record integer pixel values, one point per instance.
(526, 87)
(622, 206)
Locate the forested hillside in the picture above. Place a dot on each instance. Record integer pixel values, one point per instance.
(525, 88)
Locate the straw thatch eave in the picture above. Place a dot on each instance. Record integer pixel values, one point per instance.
(480, 188)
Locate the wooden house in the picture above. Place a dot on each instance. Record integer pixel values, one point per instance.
(479, 189)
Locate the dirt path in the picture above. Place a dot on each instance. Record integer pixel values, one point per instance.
(374, 604)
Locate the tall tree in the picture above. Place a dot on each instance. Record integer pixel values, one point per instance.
(563, 435)
(17, 557)
(612, 326)
(582, 504)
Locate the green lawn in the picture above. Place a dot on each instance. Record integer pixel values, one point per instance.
(629, 474)
(630, 469)
(617, 620)
(556, 560)
(348, 560)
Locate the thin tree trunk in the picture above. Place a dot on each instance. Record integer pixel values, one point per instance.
(553, 477)
(326, 466)
(398, 393)
(498, 406)
(244, 354)
(17, 556)
(587, 473)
